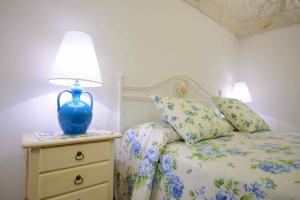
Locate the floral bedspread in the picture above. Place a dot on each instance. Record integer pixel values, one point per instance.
(262, 165)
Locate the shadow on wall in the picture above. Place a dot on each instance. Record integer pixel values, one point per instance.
(36, 114)
(280, 125)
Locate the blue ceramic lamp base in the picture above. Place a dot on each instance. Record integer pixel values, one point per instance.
(74, 116)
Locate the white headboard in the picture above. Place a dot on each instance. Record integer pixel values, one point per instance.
(136, 106)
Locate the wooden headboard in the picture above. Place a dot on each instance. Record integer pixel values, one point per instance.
(136, 106)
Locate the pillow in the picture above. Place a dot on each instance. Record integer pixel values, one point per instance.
(232, 128)
(192, 120)
(163, 126)
(240, 115)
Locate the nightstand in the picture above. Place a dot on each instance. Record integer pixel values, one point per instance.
(74, 168)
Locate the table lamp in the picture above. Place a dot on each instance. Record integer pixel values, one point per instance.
(241, 92)
(75, 65)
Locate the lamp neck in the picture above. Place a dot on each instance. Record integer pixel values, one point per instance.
(76, 91)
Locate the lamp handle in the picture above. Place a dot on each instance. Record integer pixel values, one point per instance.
(58, 98)
(91, 97)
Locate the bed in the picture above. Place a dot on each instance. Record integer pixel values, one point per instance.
(154, 163)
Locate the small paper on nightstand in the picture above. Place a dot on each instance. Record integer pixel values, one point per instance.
(54, 135)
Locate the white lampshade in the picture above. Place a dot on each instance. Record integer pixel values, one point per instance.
(241, 92)
(76, 61)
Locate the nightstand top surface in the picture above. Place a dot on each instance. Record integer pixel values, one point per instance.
(29, 140)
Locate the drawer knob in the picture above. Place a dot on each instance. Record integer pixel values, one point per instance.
(79, 155)
(78, 180)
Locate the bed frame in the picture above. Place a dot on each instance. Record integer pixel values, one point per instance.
(136, 106)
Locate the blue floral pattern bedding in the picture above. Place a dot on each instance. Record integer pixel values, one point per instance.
(262, 165)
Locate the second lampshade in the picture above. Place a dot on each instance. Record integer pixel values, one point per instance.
(241, 92)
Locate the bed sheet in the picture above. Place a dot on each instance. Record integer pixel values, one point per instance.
(262, 165)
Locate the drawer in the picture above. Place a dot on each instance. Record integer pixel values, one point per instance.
(98, 192)
(54, 158)
(67, 180)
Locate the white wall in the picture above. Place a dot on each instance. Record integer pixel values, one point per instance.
(270, 64)
(147, 41)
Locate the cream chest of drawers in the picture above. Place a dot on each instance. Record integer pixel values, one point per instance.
(70, 169)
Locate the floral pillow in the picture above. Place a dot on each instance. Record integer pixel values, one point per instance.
(192, 120)
(240, 115)
(232, 128)
(162, 126)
